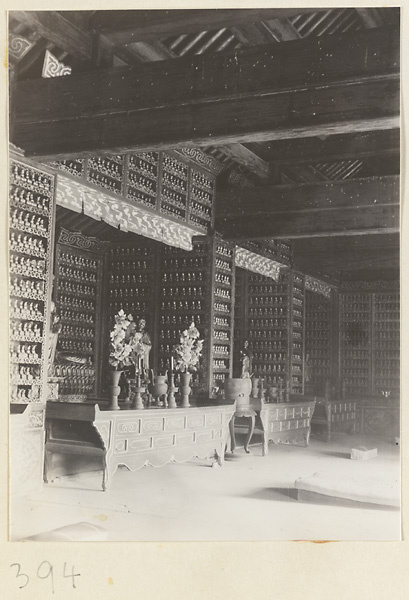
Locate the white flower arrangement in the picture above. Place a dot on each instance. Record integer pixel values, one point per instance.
(187, 353)
(126, 344)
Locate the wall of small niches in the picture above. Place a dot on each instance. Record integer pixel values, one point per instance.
(30, 245)
(369, 343)
(79, 267)
(274, 327)
(199, 286)
(132, 286)
(386, 344)
(159, 181)
(240, 319)
(318, 341)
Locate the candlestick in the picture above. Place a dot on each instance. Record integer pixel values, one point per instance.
(171, 364)
(171, 393)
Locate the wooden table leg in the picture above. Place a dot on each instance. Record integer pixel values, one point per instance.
(105, 474)
(47, 465)
(250, 433)
(232, 436)
(264, 422)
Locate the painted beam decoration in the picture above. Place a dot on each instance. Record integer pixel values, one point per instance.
(315, 285)
(19, 46)
(202, 159)
(118, 213)
(53, 67)
(257, 264)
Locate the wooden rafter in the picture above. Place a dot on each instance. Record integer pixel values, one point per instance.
(126, 27)
(337, 147)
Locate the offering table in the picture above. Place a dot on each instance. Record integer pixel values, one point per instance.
(134, 438)
(282, 423)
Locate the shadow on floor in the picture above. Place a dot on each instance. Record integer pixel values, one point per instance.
(307, 497)
(276, 494)
(334, 454)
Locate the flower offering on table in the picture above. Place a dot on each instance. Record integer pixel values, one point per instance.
(189, 350)
(127, 346)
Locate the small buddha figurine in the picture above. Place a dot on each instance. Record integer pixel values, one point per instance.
(55, 328)
(246, 360)
(146, 341)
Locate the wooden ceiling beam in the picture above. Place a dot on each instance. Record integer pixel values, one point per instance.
(355, 245)
(318, 87)
(348, 221)
(336, 147)
(360, 106)
(352, 207)
(349, 261)
(309, 197)
(127, 27)
(260, 71)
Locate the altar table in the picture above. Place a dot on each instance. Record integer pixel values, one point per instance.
(135, 438)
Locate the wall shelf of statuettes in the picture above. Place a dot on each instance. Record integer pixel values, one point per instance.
(75, 379)
(355, 342)
(184, 286)
(198, 286)
(318, 337)
(159, 181)
(386, 343)
(273, 324)
(31, 214)
(131, 273)
(78, 290)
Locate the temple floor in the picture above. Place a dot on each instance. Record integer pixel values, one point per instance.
(250, 498)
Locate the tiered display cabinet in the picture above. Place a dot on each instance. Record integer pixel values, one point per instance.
(386, 344)
(79, 269)
(276, 329)
(370, 343)
(31, 225)
(240, 319)
(355, 318)
(131, 285)
(142, 178)
(165, 183)
(296, 283)
(318, 341)
(199, 286)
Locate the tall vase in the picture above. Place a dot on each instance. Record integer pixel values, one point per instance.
(185, 388)
(114, 389)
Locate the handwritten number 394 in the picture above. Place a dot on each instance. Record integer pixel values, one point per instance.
(44, 571)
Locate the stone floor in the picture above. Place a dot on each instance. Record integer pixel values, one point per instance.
(250, 498)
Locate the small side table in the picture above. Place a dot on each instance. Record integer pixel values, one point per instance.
(250, 413)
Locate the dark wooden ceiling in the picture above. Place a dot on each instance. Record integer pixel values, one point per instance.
(313, 98)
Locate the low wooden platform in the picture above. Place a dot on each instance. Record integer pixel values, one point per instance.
(330, 487)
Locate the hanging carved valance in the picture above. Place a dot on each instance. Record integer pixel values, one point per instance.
(120, 214)
(257, 264)
(315, 285)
